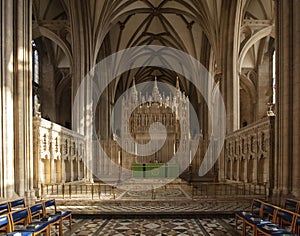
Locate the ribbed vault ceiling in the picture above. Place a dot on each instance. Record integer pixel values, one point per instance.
(189, 26)
(192, 26)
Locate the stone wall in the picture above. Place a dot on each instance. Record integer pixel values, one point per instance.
(249, 153)
(58, 154)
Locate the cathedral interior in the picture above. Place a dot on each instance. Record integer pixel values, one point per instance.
(151, 117)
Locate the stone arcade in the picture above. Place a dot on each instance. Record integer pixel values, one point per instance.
(250, 47)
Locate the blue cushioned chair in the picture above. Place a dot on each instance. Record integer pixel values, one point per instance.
(5, 223)
(256, 208)
(64, 215)
(54, 219)
(269, 211)
(284, 217)
(20, 216)
(36, 211)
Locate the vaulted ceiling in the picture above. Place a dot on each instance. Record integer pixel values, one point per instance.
(193, 26)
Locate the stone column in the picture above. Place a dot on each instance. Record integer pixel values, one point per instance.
(227, 62)
(23, 96)
(16, 111)
(255, 166)
(296, 99)
(78, 169)
(59, 170)
(238, 169)
(287, 152)
(231, 169)
(63, 170)
(52, 171)
(71, 170)
(246, 169)
(6, 96)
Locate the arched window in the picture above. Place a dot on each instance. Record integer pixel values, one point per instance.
(274, 78)
(35, 64)
(35, 79)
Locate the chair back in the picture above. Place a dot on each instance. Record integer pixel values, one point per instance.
(257, 206)
(20, 216)
(284, 217)
(269, 210)
(48, 204)
(4, 208)
(36, 210)
(292, 205)
(17, 203)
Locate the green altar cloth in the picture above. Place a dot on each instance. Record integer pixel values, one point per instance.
(154, 170)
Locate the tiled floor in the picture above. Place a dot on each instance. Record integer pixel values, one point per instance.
(149, 227)
(172, 212)
(153, 207)
(152, 227)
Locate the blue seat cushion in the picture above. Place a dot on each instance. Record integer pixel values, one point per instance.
(3, 220)
(32, 227)
(50, 219)
(255, 219)
(272, 229)
(65, 214)
(36, 226)
(243, 213)
(17, 233)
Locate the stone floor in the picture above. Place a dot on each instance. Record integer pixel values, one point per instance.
(152, 227)
(204, 207)
(151, 218)
(166, 201)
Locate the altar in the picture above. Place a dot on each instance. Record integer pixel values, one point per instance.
(154, 170)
